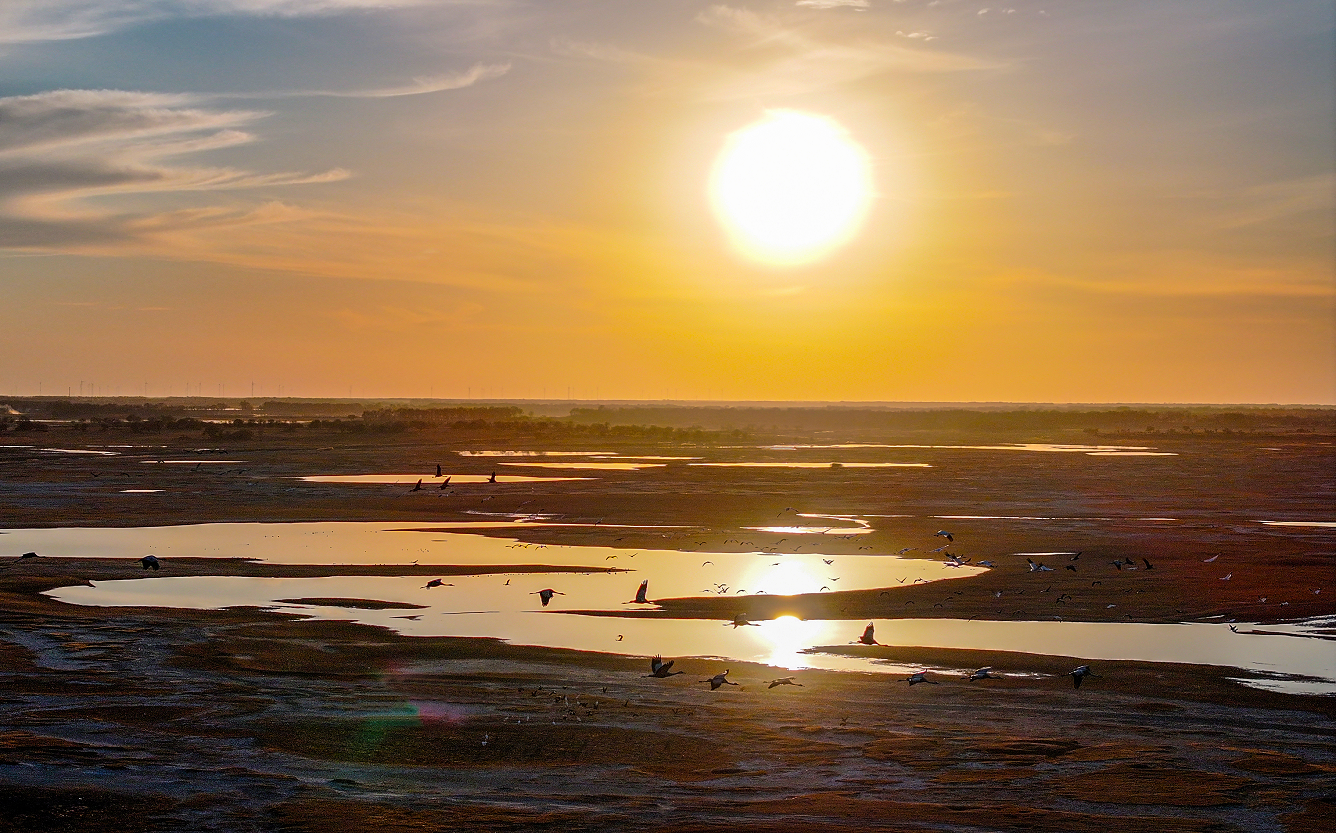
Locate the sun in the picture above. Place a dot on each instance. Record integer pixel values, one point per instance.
(791, 188)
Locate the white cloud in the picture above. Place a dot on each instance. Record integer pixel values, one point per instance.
(28, 21)
(419, 86)
(59, 148)
(835, 4)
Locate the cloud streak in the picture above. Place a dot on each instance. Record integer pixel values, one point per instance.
(59, 149)
(36, 21)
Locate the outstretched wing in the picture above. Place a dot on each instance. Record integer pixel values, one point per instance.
(657, 663)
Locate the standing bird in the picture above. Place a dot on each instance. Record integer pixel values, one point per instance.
(982, 674)
(783, 681)
(150, 562)
(867, 638)
(436, 582)
(1080, 673)
(919, 677)
(942, 533)
(659, 668)
(546, 594)
(640, 594)
(718, 680)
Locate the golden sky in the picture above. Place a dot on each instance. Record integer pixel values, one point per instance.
(1067, 201)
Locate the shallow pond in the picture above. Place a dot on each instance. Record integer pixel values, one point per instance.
(507, 606)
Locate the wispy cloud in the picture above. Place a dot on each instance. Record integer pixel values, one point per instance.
(790, 57)
(834, 4)
(61, 148)
(419, 86)
(32, 21)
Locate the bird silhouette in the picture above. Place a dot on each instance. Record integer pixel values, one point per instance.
(867, 638)
(436, 582)
(659, 668)
(718, 680)
(942, 533)
(150, 562)
(741, 620)
(1079, 673)
(445, 482)
(640, 594)
(982, 674)
(546, 594)
(418, 487)
(438, 469)
(492, 479)
(783, 681)
(919, 677)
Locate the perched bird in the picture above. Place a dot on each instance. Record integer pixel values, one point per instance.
(659, 668)
(640, 594)
(741, 620)
(982, 674)
(546, 594)
(718, 680)
(1080, 673)
(418, 487)
(150, 562)
(919, 677)
(783, 681)
(436, 582)
(867, 638)
(942, 533)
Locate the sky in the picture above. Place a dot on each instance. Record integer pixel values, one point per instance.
(1066, 200)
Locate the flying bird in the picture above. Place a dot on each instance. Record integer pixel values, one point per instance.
(741, 620)
(900, 552)
(546, 594)
(438, 469)
(867, 638)
(1080, 673)
(640, 594)
(942, 533)
(659, 668)
(445, 482)
(418, 487)
(1212, 558)
(919, 677)
(783, 681)
(436, 582)
(492, 479)
(982, 674)
(150, 562)
(718, 680)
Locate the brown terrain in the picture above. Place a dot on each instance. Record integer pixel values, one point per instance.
(141, 719)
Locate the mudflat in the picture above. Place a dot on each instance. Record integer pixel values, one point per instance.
(127, 719)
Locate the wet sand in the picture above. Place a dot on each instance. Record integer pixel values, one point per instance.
(131, 719)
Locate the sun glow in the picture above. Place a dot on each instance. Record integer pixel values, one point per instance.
(791, 188)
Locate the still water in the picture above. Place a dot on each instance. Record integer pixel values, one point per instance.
(505, 605)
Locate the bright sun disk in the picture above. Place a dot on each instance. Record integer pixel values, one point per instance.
(791, 188)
